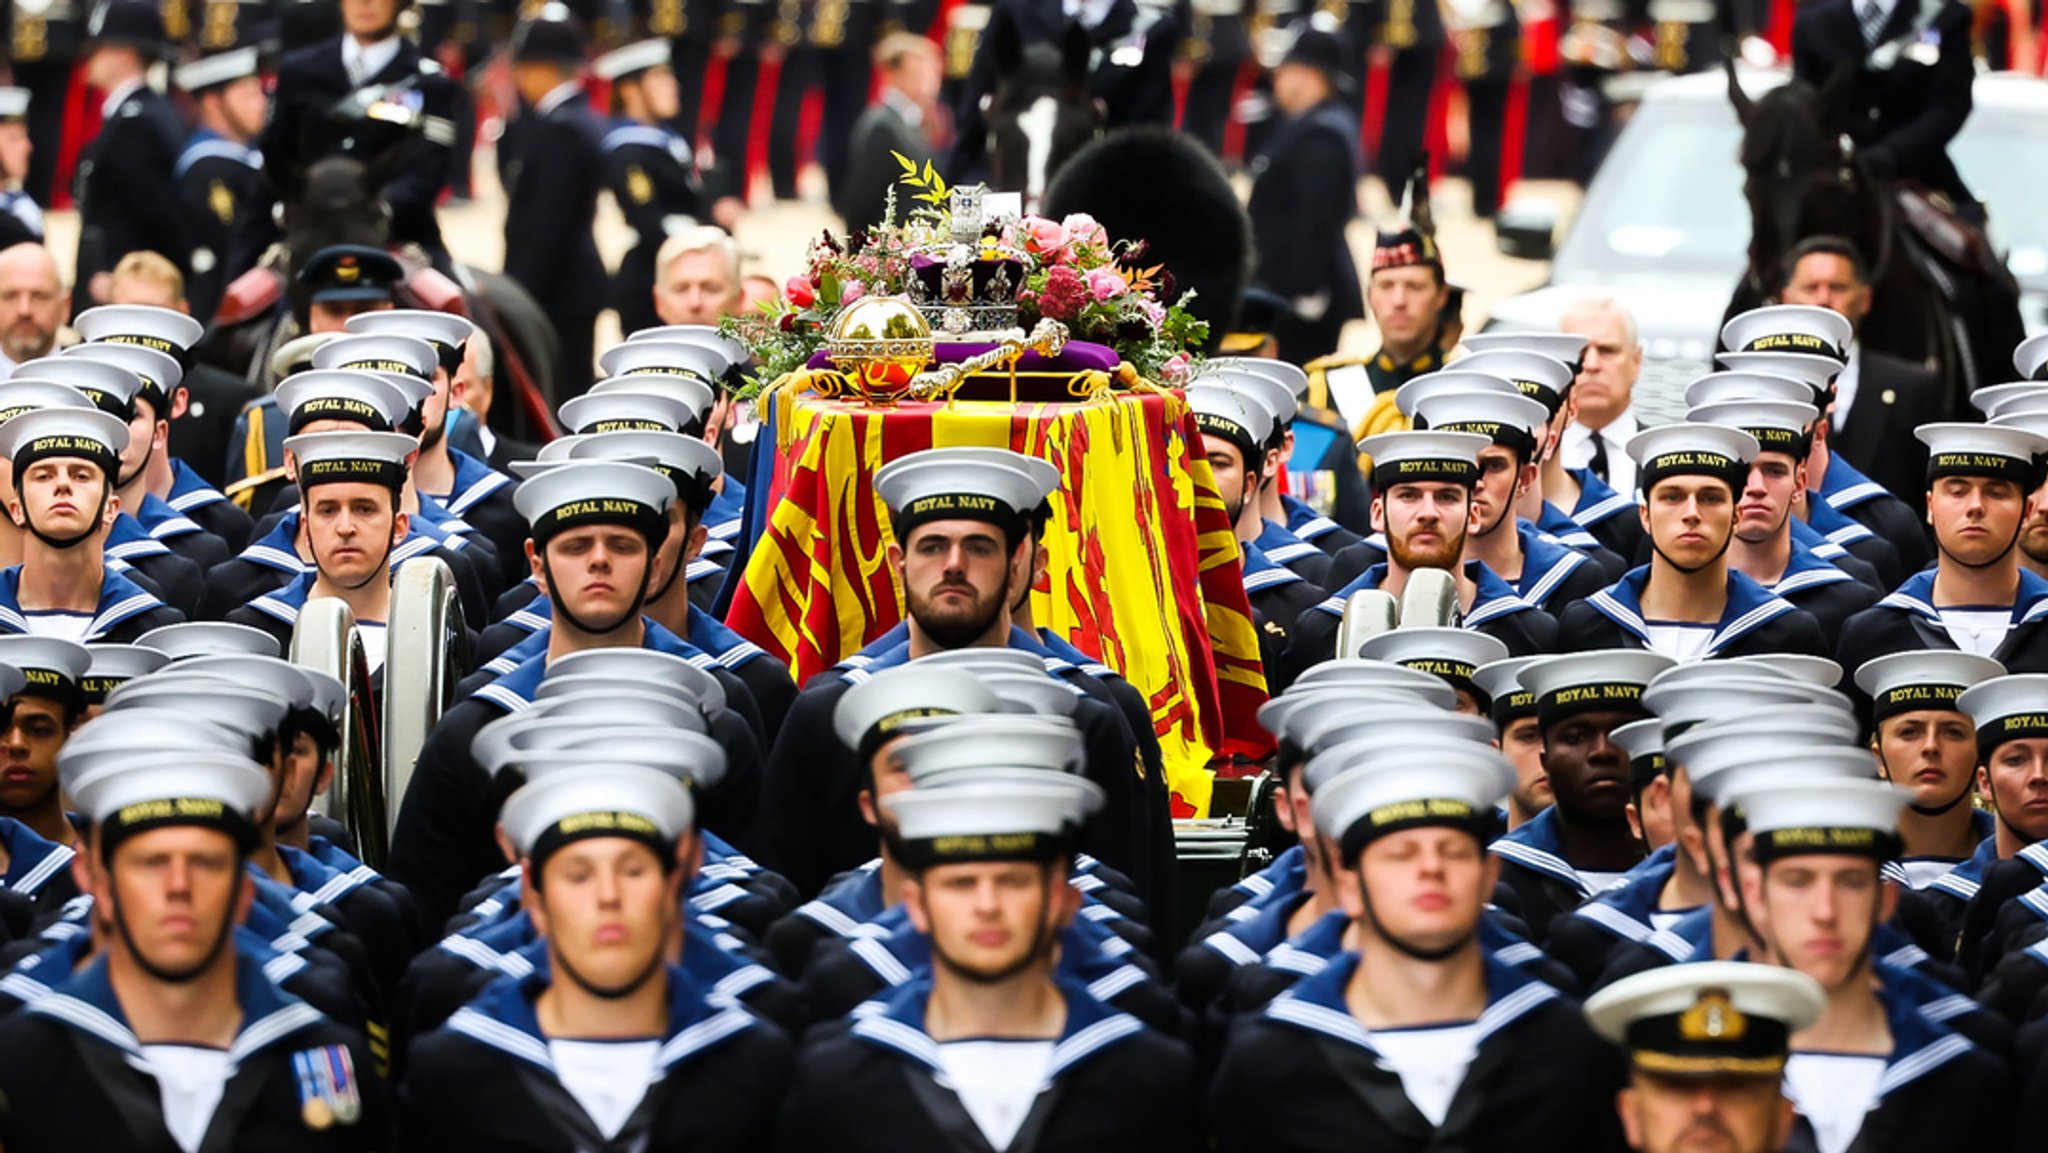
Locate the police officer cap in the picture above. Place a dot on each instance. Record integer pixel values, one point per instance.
(627, 411)
(1778, 426)
(1451, 653)
(351, 272)
(1567, 348)
(552, 36)
(2017, 396)
(1345, 673)
(216, 70)
(1957, 448)
(645, 669)
(1351, 743)
(2030, 358)
(130, 23)
(113, 665)
(157, 373)
(370, 399)
(150, 790)
(595, 492)
(1031, 692)
(1606, 680)
(445, 331)
(69, 433)
(1267, 390)
(1419, 456)
(640, 804)
(879, 705)
(2009, 708)
(1501, 681)
(208, 638)
(13, 104)
(683, 358)
(1231, 414)
(380, 352)
(163, 330)
(1921, 679)
(1643, 741)
(1709, 1019)
(998, 820)
(967, 743)
(1742, 387)
(1802, 667)
(1429, 384)
(1789, 328)
(1535, 375)
(109, 386)
(1413, 789)
(941, 484)
(19, 396)
(1509, 419)
(602, 709)
(378, 458)
(704, 336)
(1822, 816)
(1688, 449)
(689, 463)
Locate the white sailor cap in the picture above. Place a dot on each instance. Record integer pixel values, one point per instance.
(370, 399)
(979, 659)
(535, 745)
(1507, 418)
(630, 60)
(1958, 448)
(1601, 680)
(1424, 456)
(597, 800)
(695, 396)
(1451, 653)
(876, 708)
(1539, 377)
(1421, 388)
(157, 373)
(1043, 472)
(112, 738)
(1708, 1019)
(704, 336)
(13, 103)
(81, 433)
(1813, 370)
(651, 669)
(444, 331)
(296, 355)
(624, 410)
(2030, 358)
(1263, 388)
(1778, 426)
(1293, 715)
(50, 666)
(379, 458)
(1031, 692)
(330, 696)
(1996, 400)
(1803, 667)
(1687, 449)
(274, 675)
(2008, 708)
(968, 744)
(113, 665)
(2019, 415)
(1743, 387)
(162, 330)
(601, 709)
(1643, 741)
(150, 789)
(674, 356)
(1231, 414)
(1681, 703)
(693, 466)
(941, 484)
(1291, 375)
(1793, 818)
(246, 709)
(1567, 348)
(380, 352)
(1921, 679)
(1776, 745)
(208, 638)
(1415, 788)
(1789, 328)
(996, 820)
(1501, 681)
(584, 492)
(217, 69)
(19, 396)
(1355, 740)
(110, 387)
(1348, 673)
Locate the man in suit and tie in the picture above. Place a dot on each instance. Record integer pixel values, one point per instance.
(1602, 417)
(125, 188)
(1879, 399)
(904, 120)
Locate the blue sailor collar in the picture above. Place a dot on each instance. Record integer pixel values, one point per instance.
(32, 860)
(1834, 524)
(896, 1022)
(206, 144)
(1963, 881)
(1306, 522)
(1058, 646)
(474, 480)
(1843, 487)
(709, 633)
(1814, 541)
(1921, 1040)
(1917, 596)
(286, 603)
(848, 905)
(1805, 570)
(1247, 942)
(278, 549)
(55, 963)
(503, 1017)
(1281, 546)
(1537, 845)
(1749, 606)
(189, 490)
(535, 649)
(320, 884)
(129, 540)
(1690, 936)
(897, 636)
(1318, 1006)
(1261, 572)
(1311, 950)
(163, 522)
(1568, 532)
(1546, 562)
(1627, 909)
(1598, 500)
(629, 133)
(1286, 875)
(438, 521)
(86, 1004)
(722, 516)
(1090, 953)
(120, 600)
(515, 689)
(1494, 597)
(877, 657)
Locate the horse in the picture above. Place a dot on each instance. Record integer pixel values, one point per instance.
(1939, 296)
(1040, 112)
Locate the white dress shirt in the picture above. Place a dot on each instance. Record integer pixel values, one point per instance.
(1577, 448)
(364, 61)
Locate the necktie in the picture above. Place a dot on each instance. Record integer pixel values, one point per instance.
(1599, 461)
(1872, 16)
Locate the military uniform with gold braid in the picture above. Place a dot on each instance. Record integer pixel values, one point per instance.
(652, 175)
(43, 40)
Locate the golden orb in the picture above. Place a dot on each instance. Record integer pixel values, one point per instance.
(880, 343)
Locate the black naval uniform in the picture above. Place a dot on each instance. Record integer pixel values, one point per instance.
(1907, 619)
(1414, 30)
(552, 181)
(1486, 53)
(1303, 195)
(122, 178)
(651, 173)
(1219, 44)
(218, 180)
(1753, 622)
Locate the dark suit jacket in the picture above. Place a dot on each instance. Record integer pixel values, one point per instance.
(871, 169)
(553, 180)
(125, 186)
(1303, 195)
(1893, 397)
(1904, 115)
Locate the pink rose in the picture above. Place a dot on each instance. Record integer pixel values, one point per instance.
(853, 291)
(1104, 283)
(1155, 313)
(1085, 230)
(1175, 370)
(800, 292)
(1043, 237)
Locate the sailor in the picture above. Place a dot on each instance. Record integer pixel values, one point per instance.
(1976, 598)
(1422, 500)
(2023, 405)
(113, 666)
(21, 218)
(1512, 709)
(171, 1032)
(1259, 469)
(1877, 1069)
(1687, 603)
(219, 173)
(991, 1045)
(650, 170)
(1451, 654)
(125, 172)
(1927, 745)
(609, 1042)
(1418, 1036)
(41, 712)
(64, 462)
(1762, 547)
(1322, 450)
(1707, 1045)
